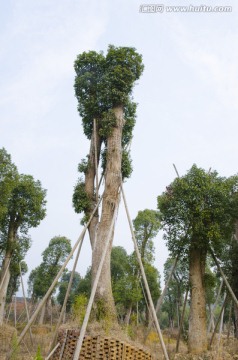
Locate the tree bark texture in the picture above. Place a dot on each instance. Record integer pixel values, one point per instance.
(197, 337)
(42, 315)
(110, 198)
(235, 280)
(5, 272)
(90, 182)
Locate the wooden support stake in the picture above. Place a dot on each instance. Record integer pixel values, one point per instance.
(145, 280)
(26, 307)
(213, 334)
(161, 298)
(214, 307)
(66, 297)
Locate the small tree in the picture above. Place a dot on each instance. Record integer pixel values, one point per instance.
(126, 284)
(198, 211)
(146, 227)
(22, 207)
(41, 278)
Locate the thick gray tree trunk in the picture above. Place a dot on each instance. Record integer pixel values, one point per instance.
(110, 197)
(5, 273)
(197, 337)
(4, 280)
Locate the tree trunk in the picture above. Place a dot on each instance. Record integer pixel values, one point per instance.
(110, 197)
(235, 321)
(5, 272)
(128, 315)
(90, 184)
(234, 280)
(4, 280)
(42, 315)
(197, 337)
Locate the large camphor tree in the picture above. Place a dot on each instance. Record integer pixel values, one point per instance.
(103, 87)
(198, 211)
(22, 206)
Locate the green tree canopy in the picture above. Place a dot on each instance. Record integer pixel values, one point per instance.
(198, 210)
(146, 227)
(8, 176)
(53, 256)
(22, 206)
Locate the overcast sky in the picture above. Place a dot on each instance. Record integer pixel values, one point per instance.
(187, 100)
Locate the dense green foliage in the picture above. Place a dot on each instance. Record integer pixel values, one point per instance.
(22, 202)
(63, 285)
(22, 206)
(103, 82)
(8, 176)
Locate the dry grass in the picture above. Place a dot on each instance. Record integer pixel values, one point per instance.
(42, 335)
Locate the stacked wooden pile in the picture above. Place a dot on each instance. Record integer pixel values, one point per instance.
(96, 348)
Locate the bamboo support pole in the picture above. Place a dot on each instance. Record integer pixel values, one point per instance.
(181, 321)
(15, 311)
(218, 320)
(161, 298)
(229, 320)
(10, 307)
(43, 301)
(52, 352)
(221, 325)
(5, 273)
(224, 278)
(176, 171)
(95, 154)
(66, 297)
(214, 307)
(25, 302)
(145, 280)
(94, 288)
